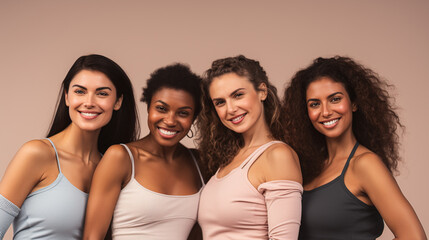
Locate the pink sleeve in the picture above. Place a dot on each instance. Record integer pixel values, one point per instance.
(283, 200)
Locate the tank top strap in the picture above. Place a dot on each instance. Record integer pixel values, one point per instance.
(255, 154)
(196, 165)
(352, 153)
(56, 154)
(131, 158)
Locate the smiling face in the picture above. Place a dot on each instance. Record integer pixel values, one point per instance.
(170, 115)
(238, 104)
(91, 99)
(329, 108)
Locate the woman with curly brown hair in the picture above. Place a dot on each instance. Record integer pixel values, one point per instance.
(339, 118)
(256, 191)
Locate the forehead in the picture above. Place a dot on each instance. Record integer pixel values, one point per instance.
(89, 78)
(172, 97)
(225, 84)
(324, 87)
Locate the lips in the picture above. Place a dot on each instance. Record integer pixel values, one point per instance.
(331, 123)
(166, 133)
(89, 115)
(238, 119)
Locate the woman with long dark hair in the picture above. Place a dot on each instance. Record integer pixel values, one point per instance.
(150, 188)
(339, 117)
(45, 187)
(255, 192)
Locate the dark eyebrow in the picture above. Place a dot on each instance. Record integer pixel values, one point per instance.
(98, 89)
(232, 94)
(164, 103)
(331, 95)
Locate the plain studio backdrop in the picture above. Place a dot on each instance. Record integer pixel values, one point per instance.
(41, 39)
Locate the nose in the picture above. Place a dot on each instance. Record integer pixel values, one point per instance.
(230, 107)
(89, 101)
(170, 119)
(326, 110)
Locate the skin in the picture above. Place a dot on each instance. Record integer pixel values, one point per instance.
(34, 166)
(240, 108)
(367, 177)
(162, 164)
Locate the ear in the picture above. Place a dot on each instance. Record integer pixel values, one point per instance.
(262, 91)
(66, 98)
(118, 103)
(354, 107)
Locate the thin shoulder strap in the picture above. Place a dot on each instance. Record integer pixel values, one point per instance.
(348, 159)
(255, 154)
(56, 154)
(131, 158)
(196, 164)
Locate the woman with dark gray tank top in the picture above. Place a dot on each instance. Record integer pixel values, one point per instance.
(339, 118)
(45, 188)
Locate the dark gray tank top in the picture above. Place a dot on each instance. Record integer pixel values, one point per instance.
(331, 211)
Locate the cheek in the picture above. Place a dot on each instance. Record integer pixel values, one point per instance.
(313, 114)
(220, 112)
(344, 108)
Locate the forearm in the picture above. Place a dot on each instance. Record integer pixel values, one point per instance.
(8, 212)
(283, 200)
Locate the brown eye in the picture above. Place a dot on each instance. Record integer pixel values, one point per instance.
(313, 104)
(161, 109)
(218, 103)
(335, 99)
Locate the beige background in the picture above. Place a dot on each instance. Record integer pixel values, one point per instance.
(41, 39)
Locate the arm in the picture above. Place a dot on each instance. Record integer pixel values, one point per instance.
(24, 172)
(380, 186)
(282, 190)
(109, 177)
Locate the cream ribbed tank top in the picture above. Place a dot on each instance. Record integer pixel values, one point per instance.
(144, 214)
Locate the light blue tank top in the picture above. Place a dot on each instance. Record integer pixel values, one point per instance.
(55, 212)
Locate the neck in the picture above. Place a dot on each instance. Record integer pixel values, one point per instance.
(340, 146)
(167, 153)
(257, 135)
(78, 142)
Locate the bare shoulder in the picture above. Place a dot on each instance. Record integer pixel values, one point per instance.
(370, 171)
(26, 169)
(35, 153)
(115, 165)
(281, 162)
(367, 163)
(116, 154)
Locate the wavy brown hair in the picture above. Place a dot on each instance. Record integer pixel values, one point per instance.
(375, 123)
(217, 143)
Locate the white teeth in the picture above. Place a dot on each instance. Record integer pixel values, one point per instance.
(237, 118)
(166, 132)
(89, 114)
(330, 122)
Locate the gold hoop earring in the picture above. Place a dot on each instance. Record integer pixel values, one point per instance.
(192, 133)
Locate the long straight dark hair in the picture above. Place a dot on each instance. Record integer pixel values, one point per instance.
(124, 126)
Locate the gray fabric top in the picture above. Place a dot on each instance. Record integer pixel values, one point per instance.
(56, 211)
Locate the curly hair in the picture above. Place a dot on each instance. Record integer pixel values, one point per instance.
(217, 143)
(374, 124)
(177, 76)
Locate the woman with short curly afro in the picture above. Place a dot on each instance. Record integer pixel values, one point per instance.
(340, 119)
(150, 188)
